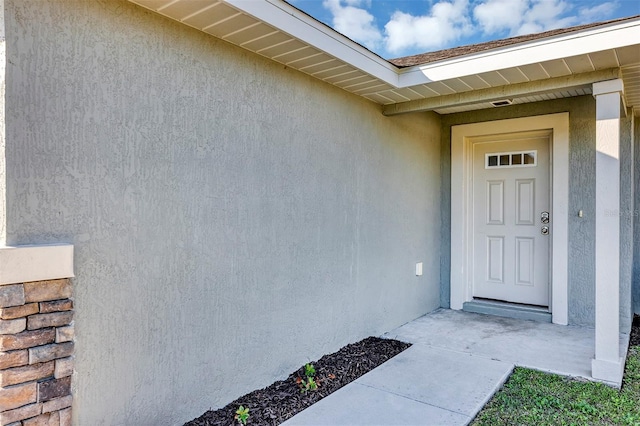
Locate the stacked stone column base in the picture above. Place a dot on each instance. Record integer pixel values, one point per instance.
(36, 353)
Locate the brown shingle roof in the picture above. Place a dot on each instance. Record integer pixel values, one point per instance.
(425, 58)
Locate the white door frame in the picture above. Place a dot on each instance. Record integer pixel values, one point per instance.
(461, 196)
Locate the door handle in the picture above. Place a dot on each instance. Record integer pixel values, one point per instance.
(544, 230)
(544, 217)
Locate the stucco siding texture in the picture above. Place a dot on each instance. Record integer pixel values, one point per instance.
(582, 157)
(636, 216)
(232, 218)
(626, 213)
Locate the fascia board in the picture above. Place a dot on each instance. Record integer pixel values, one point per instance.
(295, 23)
(583, 42)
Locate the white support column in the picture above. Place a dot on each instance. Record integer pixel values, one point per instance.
(608, 364)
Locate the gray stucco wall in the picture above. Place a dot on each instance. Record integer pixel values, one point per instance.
(636, 217)
(626, 221)
(445, 199)
(232, 218)
(581, 197)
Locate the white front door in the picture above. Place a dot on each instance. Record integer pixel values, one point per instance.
(511, 232)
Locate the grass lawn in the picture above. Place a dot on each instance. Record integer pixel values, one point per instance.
(534, 398)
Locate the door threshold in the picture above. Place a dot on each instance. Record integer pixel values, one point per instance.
(508, 310)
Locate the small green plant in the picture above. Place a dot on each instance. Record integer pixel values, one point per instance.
(309, 382)
(242, 415)
(309, 370)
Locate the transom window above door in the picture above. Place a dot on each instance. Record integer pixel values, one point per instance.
(496, 160)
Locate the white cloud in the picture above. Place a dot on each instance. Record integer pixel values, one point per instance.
(447, 22)
(357, 3)
(597, 13)
(518, 17)
(350, 19)
(545, 15)
(499, 15)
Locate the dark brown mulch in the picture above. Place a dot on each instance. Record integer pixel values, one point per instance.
(282, 400)
(634, 339)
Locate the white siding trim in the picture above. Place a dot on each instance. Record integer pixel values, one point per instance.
(461, 202)
(35, 263)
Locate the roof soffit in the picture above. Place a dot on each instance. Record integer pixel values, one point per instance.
(279, 31)
(625, 34)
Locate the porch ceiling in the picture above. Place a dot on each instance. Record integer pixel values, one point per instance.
(279, 31)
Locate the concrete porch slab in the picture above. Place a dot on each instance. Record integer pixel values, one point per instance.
(560, 349)
(457, 362)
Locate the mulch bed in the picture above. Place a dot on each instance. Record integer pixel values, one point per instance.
(634, 339)
(282, 400)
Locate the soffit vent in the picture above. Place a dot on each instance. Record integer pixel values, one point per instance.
(502, 102)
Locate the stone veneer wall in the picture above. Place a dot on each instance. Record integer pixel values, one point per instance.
(36, 358)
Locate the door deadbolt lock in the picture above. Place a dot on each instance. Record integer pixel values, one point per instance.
(544, 217)
(544, 230)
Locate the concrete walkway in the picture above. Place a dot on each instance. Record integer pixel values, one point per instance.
(457, 362)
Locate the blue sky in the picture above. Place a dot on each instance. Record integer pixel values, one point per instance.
(394, 28)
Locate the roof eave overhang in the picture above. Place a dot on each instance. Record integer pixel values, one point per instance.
(294, 22)
(430, 82)
(584, 80)
(592, 40)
